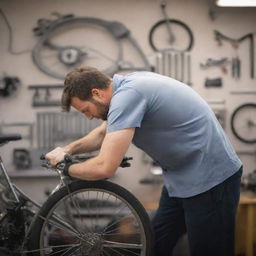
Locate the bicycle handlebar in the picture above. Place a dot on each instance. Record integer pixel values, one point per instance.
(77, 159)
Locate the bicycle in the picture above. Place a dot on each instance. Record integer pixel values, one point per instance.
(80, 217)
(170, 34)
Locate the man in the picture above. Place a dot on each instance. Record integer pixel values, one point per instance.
(176, 127)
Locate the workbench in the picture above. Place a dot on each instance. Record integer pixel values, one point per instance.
(245, 240)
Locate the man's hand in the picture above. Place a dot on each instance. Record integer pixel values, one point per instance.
(55, 156)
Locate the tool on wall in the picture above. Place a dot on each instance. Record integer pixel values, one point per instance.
(235, 43)
(236, 67)
(43, 95)
(212, 10)
(70, 50)
(8, 85)
(213, 82)
(244, 91)
(174, 64)
(220, 63)
(170, 34)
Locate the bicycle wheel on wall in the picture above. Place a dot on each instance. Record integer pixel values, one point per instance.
(75, 41)
(181, 38)
(243, 123)
(91, 218)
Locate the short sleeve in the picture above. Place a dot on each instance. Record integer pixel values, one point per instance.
(127, 109)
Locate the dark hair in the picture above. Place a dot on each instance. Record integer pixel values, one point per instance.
(80, 82)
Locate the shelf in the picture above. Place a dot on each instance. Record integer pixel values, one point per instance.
(32, 173)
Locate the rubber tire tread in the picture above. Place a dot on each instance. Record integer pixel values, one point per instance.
(34, 240)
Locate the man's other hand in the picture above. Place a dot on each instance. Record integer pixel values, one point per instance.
(55, 156)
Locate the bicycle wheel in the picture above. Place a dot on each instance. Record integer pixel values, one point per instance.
(91, 218)
(75, 41)
(182, 39)
(243, 123)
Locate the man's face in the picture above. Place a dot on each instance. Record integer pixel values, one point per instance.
(102, 109)
(91, 108)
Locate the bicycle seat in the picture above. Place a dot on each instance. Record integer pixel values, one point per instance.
(4, 138)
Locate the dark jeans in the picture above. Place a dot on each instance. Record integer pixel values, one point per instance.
(208, 219)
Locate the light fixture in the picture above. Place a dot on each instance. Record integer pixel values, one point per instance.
(236, 3)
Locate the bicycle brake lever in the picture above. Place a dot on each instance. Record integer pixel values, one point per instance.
(125, 162)
(42, 157)
(68, 158)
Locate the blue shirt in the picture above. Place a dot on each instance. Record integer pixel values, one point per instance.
(176, 127)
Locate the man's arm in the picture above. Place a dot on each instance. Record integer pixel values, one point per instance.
(91, 142)
(113, 149)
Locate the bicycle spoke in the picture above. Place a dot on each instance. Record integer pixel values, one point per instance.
(47, 249)
(117, 251)
(105, 252)
(63, 225)
(115, 223)
(70, 251)
(122, 245)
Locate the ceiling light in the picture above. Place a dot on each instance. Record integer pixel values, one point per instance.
(236, 3)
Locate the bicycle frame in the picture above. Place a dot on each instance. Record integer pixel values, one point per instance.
(18, 201)
(3, 173)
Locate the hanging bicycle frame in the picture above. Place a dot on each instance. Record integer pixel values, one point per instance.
(67, 57)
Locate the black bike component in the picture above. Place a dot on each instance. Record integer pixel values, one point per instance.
(155, 41)
(4, 138)
(214, 82)
(12, 228)
(243, 123)
(91, 218)
(68, 162)
(125, 162)
(9, 85)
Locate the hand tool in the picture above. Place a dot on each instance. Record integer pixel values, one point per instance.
(235, 43)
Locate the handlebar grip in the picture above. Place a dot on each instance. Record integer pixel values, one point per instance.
(67, 158)
(42, 157)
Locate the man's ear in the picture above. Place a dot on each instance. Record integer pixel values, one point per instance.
(96, 92)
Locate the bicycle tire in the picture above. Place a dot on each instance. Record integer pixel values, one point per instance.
(42, 237)
(234, 129)
(178, 23)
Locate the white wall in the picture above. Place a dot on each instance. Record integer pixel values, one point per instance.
(138, 16)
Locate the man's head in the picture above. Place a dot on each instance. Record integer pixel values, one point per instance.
(87, 86)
